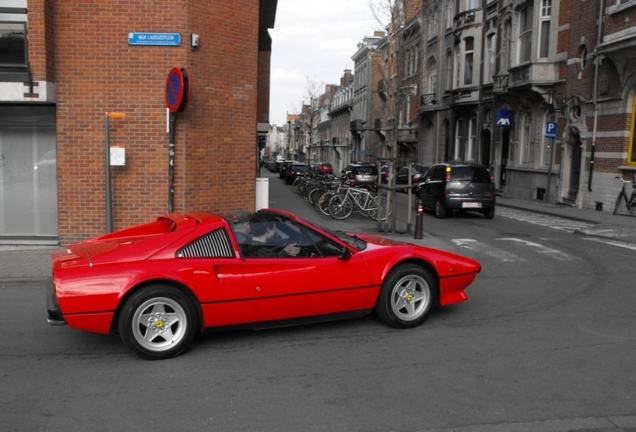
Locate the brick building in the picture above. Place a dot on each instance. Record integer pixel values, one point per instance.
(65, 64)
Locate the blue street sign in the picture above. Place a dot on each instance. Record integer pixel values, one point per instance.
(156, 39)
(550, 130)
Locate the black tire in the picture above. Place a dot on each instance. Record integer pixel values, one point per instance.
(340, 206)
(618, 202)
(157, 322)
(489, 214)
(407, 297)
(440, 211)
(323, 202)
(632, 206)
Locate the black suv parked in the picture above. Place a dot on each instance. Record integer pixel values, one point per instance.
(457, 186)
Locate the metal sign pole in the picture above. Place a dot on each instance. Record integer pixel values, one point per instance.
(109, 201)
(171, 127)
(109, 204)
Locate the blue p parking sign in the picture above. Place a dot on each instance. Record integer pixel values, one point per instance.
(550, 130)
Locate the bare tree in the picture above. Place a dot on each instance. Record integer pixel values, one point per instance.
(398, 88)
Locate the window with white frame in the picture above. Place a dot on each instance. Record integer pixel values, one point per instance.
(432, 78)
(491, 54)
(525, 140)
(544, 28)
(466, 5)
(407, 64)
(416, 59)
(546, 143)
(435, 22)
(469, 44)
(472, 139)
(458, 54)
(450, 12)
(459, 139)
(449, 70)
(507, 46)
(525, 34)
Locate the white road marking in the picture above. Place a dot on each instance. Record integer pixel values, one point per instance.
(612, 242)
(548, 251)
(499, 254)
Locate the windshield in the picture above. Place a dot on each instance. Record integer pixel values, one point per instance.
(469, 173)
(351, 240)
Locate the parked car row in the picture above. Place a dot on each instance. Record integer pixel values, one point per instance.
(289, 169)
(444, 187)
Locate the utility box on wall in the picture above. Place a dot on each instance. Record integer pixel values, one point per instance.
(117, 156)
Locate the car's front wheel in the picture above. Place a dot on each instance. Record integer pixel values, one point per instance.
(157, 322)
(407, 297)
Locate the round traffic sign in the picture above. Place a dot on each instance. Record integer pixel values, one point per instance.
(177, 89)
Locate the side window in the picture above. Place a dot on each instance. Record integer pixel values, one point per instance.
(213, 245)
(438, 174)
(284, 239)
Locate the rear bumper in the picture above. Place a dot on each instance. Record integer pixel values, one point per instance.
(54, 314)
(466, 203)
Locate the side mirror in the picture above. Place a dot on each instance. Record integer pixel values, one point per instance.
(345, 255)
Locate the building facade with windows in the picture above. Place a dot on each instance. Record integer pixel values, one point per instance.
(64, 67)
(368, 92)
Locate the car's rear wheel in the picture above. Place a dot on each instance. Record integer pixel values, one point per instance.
(489, 214)
(157, 322)
(407, 297)
(440, 211)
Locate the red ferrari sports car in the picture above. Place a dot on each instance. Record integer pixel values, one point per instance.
(159, 283)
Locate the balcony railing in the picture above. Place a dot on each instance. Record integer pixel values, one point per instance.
(501, 84)
(428, 99)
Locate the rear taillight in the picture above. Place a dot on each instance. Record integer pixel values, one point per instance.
(448, 171)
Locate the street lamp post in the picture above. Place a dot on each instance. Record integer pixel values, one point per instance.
(109, 204)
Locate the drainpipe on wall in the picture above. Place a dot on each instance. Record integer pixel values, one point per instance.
(597, 61)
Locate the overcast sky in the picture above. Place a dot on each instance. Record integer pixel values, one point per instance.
(314, 39)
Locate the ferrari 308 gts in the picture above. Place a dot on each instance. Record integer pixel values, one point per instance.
(159, 283)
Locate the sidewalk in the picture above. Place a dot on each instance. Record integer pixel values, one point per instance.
(33, 264)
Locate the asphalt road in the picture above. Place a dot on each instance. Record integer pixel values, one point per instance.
(546, 342)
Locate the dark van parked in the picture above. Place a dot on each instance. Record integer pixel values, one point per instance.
(458, 186)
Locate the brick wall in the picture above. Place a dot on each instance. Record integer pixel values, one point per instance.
(98, 72)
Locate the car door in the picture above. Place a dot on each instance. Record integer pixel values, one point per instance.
(432, 184)
(301, 286)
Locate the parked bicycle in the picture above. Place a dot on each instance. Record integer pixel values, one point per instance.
(367, 203)
(630, 203)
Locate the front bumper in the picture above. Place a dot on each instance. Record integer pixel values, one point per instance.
(54, 314)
